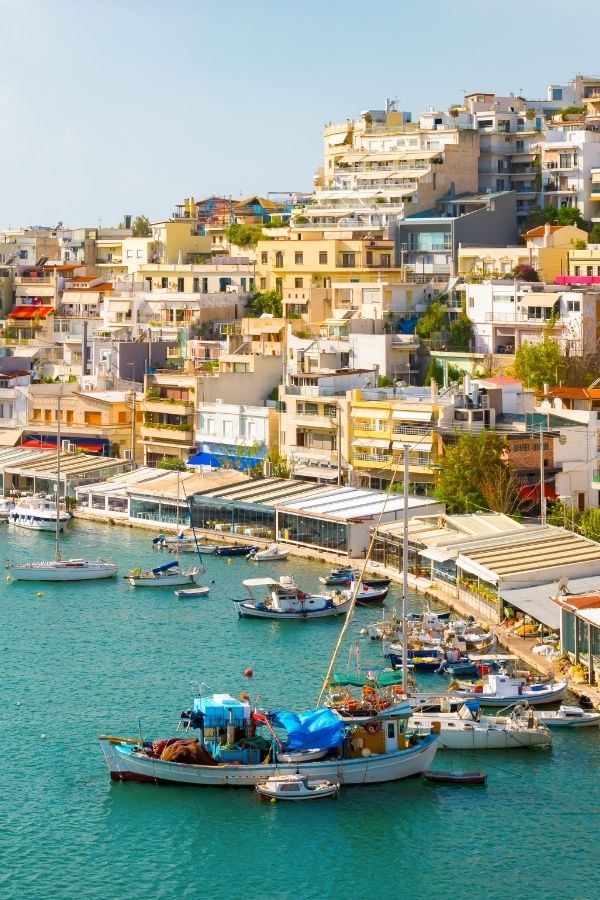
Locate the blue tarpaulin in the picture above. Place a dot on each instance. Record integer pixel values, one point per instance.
(317, 729)
(216, 455)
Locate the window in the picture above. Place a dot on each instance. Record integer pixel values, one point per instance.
(263, 284)
(573, 305)
(140, 254)
(164, 282)
(499, 184)
(47, 415)
(566, 160)
(93, 418)
(298, 258)
(279, 260)
(578, 270)
(205, 285)
(122, 418)
(70, 416)
(520, 147)
(180, 285)
(323, 257)
(130, 254)
(557, 94)
(589, 270)
(264, 257)
(37, 414)
(149, 280)
(348, 260)
(196, 285)
(520, 448)
(385, 260)
(298, 282)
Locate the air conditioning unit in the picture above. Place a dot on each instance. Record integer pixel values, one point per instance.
(128, 454)
(65, 446)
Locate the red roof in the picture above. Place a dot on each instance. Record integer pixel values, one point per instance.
(540, 231)
(30, 312)
(575, 602)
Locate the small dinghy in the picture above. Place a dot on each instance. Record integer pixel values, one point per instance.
(191, 593)
(456, 777)
(569, 717)
(271, 554)
(296, 787)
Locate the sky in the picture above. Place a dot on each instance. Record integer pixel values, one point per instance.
(111, 107)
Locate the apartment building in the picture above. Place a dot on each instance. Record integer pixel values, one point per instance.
(235, 434)
(570, 154)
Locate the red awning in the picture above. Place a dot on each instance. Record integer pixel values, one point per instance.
(39, 445)
(44, 445)
(532, 492)
(30, 312)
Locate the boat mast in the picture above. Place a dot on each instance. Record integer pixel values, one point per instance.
(405, 571)
(57, 556)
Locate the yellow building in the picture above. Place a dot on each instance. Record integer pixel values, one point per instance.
(585, 263)
(168, 417)
(179, 241)
(381, 422)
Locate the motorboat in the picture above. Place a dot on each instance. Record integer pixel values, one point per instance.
(239, 746)
(467, 729)
(569, 717)
(167, 575)
(469, 636)
(38, 514)
(63, 570)
(340, 575)
(271, 554)
(6, 507)
(183, 543)
(296, 787)
(456, 776)
(285, 600)
(365, 594)
(192, 593)
(425, 660)
(501, 689)
(234, 550)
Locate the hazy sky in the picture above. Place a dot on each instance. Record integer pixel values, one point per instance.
(128, 106)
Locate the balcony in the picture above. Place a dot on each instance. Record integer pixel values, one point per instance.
(315, 421)
(27, 279)
(366, 428)
(174, 407)
(313, 455)
(371, 460)
(173, 434)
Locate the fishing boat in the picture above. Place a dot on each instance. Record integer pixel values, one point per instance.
(271, 554)
(569, 717)
(425, 660)
(296, 787)
(284, 600)
(501, 689)
(6, 507)
(167, 575)
(239, 746)
(456, 776)
(365, 594)
(234, 550)
(467, 729)
(192, 593)
(59, 569)
(38, 514)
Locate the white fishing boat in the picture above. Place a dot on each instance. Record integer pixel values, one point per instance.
(501, 689)
(193, 593)
(6, 507)
(284, 600)
(468, 729)
(230, 749)
(296, 787)
(270, 554)
(570, 717)
(38, 514)
(167, 575)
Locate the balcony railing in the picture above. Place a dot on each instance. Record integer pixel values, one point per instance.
(372, 457)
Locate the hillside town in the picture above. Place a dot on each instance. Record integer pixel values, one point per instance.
(280, 360)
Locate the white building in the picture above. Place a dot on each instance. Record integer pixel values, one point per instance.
(235, 432)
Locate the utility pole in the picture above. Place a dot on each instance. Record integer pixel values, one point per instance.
(339, 445)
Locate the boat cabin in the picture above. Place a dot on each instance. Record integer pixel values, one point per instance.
(283, 596)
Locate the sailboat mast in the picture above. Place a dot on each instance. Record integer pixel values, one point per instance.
(57, 556)
(405, 572)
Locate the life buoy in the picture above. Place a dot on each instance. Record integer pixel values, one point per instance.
(371, 728)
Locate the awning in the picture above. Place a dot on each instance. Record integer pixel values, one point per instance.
(51, 445)
(30, 312)
(412, 415)
(538, 299)
(338, 139)
(370, 414)
(532, 492)
(535, 602)
(319, 472)
(370, 442)
(118, 305)
(216, 460)
(9, 437)
(424, 446)
(469, 565)
(435, 555)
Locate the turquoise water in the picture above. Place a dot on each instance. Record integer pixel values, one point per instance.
(94, 658)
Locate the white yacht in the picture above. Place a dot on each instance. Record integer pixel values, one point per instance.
(38, 514)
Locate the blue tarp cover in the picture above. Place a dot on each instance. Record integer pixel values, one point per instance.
(317, 729)
(165, 566)
(216, 455)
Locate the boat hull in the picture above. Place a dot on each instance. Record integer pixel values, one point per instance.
(61, 573)
(161, 580)
(484, 737)
(37, 525)
(533, 698)
(124, 764)
(234, 551)
(191, 593)
(249, 611)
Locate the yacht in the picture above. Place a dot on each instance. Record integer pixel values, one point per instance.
(38, 514)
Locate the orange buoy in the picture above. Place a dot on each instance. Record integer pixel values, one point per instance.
(244, 696)
(248, 673)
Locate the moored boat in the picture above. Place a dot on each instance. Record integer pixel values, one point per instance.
(6, 507)
(193, 593)
(468, 729)
(62, 570)
(38, 514)
(284, 600)
(274, 553)
(501, 689)
(456, 776)
(569, 717)
(296, 787)
(234, 550)
(168, 575)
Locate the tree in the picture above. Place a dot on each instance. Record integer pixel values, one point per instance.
(434, 320)
(570, 215)
(141, 226)
(281, 466)
(244, 235)
(474, 475)
(172, 463)
(266, 302)
(595, 233)
(539, 364)
(435, 372)
(384, 382)
(460, 332)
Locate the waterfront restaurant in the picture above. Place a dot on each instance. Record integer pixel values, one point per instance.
(580, 624)
(34, 471)
(491, 563)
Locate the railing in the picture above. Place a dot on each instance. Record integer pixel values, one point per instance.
(28, 279)
(372, 457)
(411, 429)
(307, 390)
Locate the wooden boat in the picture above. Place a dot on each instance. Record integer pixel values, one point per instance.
(502, 689)
(340, 575)
(455, 777)
(271, 554)
(168, 575)
(296, 787)
(284, 600)
(234, 550)
(569, 717)
(232, 751)
(192, 593)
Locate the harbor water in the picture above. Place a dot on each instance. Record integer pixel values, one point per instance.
(83, 659)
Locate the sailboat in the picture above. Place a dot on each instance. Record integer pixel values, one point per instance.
(60, 569)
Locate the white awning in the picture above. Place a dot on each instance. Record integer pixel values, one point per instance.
(412, 415)
(538, 299)
(9, 436)
(119, 305)
(436, 555)
(337, 139)
(370, 414)
(370, 442)
(424, 446)
(469, 565)
(319, 472)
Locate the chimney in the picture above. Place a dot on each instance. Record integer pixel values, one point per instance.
(434, 389)
(547, 233)
(546, 389)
